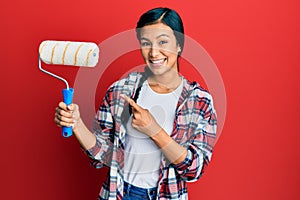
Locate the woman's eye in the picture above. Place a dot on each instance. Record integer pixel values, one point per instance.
(163, 42)
(145, 44)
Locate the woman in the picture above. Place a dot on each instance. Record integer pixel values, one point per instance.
(155, 130)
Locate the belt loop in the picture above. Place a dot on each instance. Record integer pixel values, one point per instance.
(128, 188)
(149, 195)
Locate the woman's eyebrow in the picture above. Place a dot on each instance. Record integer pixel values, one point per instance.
(143, 38)
(161, 35)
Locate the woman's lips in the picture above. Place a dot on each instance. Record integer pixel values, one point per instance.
(158, 62)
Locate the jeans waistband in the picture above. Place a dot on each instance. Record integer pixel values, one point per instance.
(148, 192)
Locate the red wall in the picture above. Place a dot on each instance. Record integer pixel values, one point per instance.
(255, 45)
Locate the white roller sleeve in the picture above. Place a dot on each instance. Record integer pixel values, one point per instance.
(69, 53)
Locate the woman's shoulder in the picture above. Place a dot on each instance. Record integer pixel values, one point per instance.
(128, 81)
(195, 89)
(131, 78)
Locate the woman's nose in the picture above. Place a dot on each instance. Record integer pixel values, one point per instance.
(154, 51)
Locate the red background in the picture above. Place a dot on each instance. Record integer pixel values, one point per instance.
(255, 45)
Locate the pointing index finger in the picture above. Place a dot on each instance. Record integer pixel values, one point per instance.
(130, 101)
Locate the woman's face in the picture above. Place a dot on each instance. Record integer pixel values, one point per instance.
(159, 48)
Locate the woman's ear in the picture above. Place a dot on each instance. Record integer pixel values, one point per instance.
(178, 49)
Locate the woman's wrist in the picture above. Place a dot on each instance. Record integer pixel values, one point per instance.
(174, 152)
(78, 123)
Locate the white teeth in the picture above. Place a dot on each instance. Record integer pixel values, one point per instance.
(157, 61)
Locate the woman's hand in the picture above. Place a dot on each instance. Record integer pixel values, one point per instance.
(67, 115)
(142, 120)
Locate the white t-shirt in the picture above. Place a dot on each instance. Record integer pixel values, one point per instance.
(142, 157)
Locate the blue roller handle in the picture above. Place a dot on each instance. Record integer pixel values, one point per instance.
(68, 97)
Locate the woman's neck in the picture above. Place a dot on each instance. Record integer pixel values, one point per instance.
(164, 83)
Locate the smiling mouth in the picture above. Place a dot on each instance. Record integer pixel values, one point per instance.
(158, 62)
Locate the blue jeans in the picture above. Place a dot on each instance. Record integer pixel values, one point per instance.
(132, 192)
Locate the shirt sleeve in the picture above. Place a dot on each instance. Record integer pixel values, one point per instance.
(200, 145)
(103, 129)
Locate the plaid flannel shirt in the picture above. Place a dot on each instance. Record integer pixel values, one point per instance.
(194, 128)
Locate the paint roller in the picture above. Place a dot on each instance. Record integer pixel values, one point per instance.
(81, 54)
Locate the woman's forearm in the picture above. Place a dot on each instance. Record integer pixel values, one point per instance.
(173, 151)
(86, 139)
